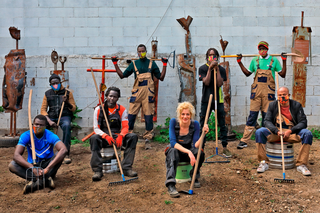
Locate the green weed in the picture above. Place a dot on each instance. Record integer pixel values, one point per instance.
(163, 136)
(167, 202)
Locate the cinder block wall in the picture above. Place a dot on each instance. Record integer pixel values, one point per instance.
(80, 29)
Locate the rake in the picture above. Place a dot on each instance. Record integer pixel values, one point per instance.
(110, 134)
(284, 180)
(216, 125)
(34, 163)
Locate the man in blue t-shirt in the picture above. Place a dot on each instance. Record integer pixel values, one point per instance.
(44, 141)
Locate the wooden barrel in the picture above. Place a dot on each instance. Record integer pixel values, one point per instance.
(109, 160)
(182, 173)
(275, 156)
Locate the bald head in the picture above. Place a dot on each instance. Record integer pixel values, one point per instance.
(283, 90)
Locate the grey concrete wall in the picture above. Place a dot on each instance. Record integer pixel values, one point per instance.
(85, 28)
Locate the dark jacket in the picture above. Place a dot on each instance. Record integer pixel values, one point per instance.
(299, 119)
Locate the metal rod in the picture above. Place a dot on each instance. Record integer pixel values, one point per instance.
(14, 124)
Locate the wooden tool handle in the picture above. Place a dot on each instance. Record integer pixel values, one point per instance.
(87, 137)
(215, 104)
(31, 131)
(62, 106)
(253, 55)
(106, 118)
(200, 146)
(152, 59)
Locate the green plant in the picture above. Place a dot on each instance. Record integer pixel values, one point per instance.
(74, 117)
(75, 140)
(211, 135)
(57, 207)
(1, 109)
(315, 133)
(167, 202)
(240, 135)
(163, 136)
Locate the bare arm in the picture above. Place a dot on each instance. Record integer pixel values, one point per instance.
(187, 151)
(119, 72)
(284, 69)
(163, 73)
(62, 152)
(17, 157)
(244, 70)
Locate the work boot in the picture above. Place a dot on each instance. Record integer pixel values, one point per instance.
(147, 145)
(172, 190)
(31, 187)
(242, 145)
(67, 160)
(130, 173)
(97, 176)
(50, 183)
(197, 184)
(226, 153)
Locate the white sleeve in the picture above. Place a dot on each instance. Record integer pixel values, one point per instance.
(96, 128)
(124, 115)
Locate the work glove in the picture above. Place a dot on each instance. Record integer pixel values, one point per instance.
(114, 60)
(119, 141)
(109, 139)
(283, 56)
(239, 57)
(164, 61)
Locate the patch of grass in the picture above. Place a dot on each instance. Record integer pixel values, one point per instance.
(167, 202)
(315, 133)
(1, 109)
(57, 207)
(272, 201)
(163, 136)
(75, 140)
(211, 135)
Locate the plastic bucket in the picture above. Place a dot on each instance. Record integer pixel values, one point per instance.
(183, 172)
(275, 156)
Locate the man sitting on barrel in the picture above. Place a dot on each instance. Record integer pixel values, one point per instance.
(294, 124)
(118, 121)
(44, 141)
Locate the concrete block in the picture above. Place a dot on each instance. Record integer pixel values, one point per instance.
(238, 81)
(125, 41)
(11, 12)
(138, 31)
(136, 11)
(86, 32)
(35, 12)
(5, 121)
(99, 22)
(76, 42)
(28, 42)
(309, 90)
(85, 12)
(36, 31)
(110, 12)
(50, 42)
(76, 3)
(36, 62)
(243, 90)
(50, 22)
(308, 110)
(269, 4)
(124, 22)
(85, 50)
(245, 21)
(278, 11)
(312, 101)
(235, 11)
(151, 22)
(74, 22)
(316, 110)
(255, 11)
(48, 3)
(36, 51)
(5, 22)
(111, 31)
(143, 3)
(232, 31)
(239, 101)
(62, 32)
(313, 120)
(205, 22)
(239, 3)
(154, 11)
(316, 90)
(313, 80)
(61, 12)
(25, 22)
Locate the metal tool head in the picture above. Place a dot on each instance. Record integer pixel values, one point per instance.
(173, 59)
(279, 180)
(122, 182)
(185, 23)
(189, 192)
(15, 33)
(35, 178)
(298, 57)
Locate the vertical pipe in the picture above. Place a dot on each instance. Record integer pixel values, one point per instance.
(11, 123)
(103, 77)
(302, 14)
(15, 124)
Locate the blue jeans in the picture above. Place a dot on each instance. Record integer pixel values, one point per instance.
(65, 124)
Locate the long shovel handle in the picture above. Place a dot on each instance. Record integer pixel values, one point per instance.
(62, 106)
(30, 128)
(253, 55)
(152, 59)
(200, 146)
(281, 136)
(215, 105)
(106, 118)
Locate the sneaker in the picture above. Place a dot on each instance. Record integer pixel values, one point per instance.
(226, 153)
(97, 176)
(67, 160)
(304, 170)
(197, 184)
(50, 183)
(130, 173)
(173, 191)
(147, 145)
(242, 145)
(263, 166)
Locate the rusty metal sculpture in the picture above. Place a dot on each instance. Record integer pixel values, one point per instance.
(63, 74)
(301, 41)
(187, 67)
(14, 80)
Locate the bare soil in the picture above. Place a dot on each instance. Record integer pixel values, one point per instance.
(232, 187)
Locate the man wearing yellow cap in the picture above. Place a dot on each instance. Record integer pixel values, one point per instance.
(143, 89)
(263, 87)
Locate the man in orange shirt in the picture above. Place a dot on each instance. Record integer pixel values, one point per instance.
(118, 122)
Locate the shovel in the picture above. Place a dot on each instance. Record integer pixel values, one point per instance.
(34, 163)
(296, 55)
(110, 134)
(190, 192)
(284, 180)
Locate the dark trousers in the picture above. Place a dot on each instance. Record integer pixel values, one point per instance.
(221, 121)
(129, 144)
(173, 157)
(27, 173)
(65, 124)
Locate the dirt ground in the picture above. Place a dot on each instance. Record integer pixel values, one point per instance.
(232, 187)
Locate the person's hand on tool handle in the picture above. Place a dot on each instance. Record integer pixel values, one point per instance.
(114, 60)
(213, 64)
(66, 101)
(119, 141)
(283, 56)
(239, 57)
(192, 158)
(52, 123)
(109, 139)
(164, 61)
(205, 129)
(287, 134)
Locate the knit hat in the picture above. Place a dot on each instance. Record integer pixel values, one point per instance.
(54, 76)
(263, 43)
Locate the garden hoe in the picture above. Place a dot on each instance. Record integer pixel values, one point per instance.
(62, 106)
(35, 166)
(110, 134)
(284, 180)
(296, 55)
(216, 125)
(190, 192)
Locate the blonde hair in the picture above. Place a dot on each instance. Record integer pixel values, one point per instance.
(185, 105)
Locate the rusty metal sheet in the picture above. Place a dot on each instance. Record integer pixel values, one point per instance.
(227, 94)
(299, 83)
(303, 47)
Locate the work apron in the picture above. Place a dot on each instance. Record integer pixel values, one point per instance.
(143, 96)
(262, 93)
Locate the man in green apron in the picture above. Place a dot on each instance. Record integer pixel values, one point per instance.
(263, 87)
(143, 89)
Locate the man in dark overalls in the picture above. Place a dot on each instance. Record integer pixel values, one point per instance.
(143, 89)
(53, 99)
(118, 121)
(263, 87)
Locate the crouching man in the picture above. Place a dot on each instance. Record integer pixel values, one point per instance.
(294, 124)
(44, 141)
(118, 121)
